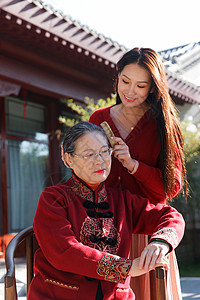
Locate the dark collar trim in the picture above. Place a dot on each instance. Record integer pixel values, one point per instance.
(85, 191)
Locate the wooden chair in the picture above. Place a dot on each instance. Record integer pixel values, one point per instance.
(28, 236)
(158, 284)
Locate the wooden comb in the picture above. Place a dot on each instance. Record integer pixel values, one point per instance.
(108, 132)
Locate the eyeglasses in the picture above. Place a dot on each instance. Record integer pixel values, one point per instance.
(105, 154)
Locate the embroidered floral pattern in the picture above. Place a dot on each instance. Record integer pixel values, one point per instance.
(167, 234)
(85, 192)
(92, 226)
(114, 268)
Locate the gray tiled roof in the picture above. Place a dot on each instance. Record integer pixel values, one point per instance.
(184, 61)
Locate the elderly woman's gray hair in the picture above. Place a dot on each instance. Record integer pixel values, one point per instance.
(75, 132)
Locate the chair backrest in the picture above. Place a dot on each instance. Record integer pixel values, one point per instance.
(28, 236)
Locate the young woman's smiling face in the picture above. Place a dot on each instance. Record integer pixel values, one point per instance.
(134, 85)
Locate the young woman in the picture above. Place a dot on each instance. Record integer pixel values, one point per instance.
(84, 230)
(148, 158)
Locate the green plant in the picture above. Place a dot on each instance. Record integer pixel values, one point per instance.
(191, 135)
(192, 270)
(83, 112)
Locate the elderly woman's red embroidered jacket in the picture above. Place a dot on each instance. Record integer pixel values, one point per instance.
(85, 237)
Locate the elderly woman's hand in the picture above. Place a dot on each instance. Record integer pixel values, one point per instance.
(121, 152)
(153, 255)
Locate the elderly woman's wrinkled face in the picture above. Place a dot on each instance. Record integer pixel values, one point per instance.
(91, 160)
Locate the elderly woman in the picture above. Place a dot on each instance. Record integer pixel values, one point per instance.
(84, 230)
